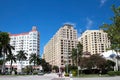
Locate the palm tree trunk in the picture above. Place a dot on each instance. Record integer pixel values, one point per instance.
(34, 65)
(11, 67)
(3, 66)
(21, 67)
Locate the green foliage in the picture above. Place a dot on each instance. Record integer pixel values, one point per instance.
(4, 43)
(34, 58)
(46, 66)
(1, 61)
(74, 72)
(110, 65)
(98, 60)
(4, 38)
(76, 54)
(21, 55)
(35, 72)
(113, 29)
(56, 68)
(117, 73)
(80, 49)
(5, 47)
(11, 58)
(66, 74)
(114, 73)
(94, 61)
(72, 69)
(111, 73)
(28, 70)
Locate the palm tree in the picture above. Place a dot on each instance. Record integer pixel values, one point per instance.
(35, 59)
(74, 56)
(5, 47)
(11, 58)
(21, 56)
(79, 51)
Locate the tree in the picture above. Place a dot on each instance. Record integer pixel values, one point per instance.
(98, 61)
(110, 65)
(74, 56)
(11, 58)
(46, 66)
(1, 61)
(35, 59)
(28, 69)
(113, 30)
(93, 63)
(5, 47)
(21, 56)
(79, 52)
(56, 68)
(86, 63)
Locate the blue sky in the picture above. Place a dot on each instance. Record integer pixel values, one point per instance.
(17, 16)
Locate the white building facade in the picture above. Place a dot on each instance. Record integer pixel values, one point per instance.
(58, 50)
(28, 42)
(94, 41)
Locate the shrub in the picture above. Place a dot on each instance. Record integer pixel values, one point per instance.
(117, 72)
(113, 73)
(35, 73)
(74, 72)
(66, 74)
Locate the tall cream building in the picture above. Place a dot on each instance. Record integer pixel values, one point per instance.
(29, 42)
(94, 41)
(57, 50)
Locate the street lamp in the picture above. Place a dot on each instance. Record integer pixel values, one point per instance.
(117, 52)
(77, 63)
(67, 63)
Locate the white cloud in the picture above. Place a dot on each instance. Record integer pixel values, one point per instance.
(89, 23)
(102, 2)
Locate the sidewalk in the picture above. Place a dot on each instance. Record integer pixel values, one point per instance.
(62, 78)
(56, 77)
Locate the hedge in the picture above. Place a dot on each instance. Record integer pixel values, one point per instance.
(114, 73)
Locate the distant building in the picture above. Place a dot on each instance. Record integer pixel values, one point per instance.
(94, 41)
(57, 50)
(28, 42)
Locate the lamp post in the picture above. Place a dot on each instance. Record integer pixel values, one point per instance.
(67, 63)
(77, 62)
(117, 52)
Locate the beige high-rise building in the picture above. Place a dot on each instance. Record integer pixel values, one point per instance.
(94, 41)
(57, 50)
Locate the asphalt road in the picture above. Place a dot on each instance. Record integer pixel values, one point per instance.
(53, 77)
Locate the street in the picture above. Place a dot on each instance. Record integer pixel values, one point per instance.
(53, 76)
